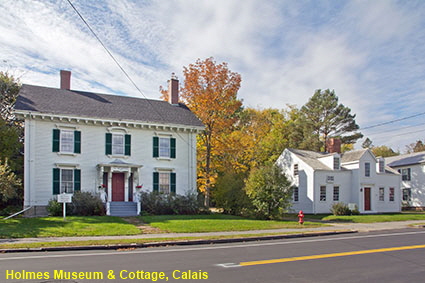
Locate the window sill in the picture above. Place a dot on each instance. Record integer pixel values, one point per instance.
(118, 156)
(164, 158)
(66, 154)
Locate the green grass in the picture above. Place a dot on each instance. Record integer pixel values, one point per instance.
(216, 223)
(74, 226)
(371, 218)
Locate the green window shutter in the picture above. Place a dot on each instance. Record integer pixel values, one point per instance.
(56, 139)
(172, 148)
(108, 143)
(56, 181)
(173, 183)
(155, 181)
(77, 142)
(127, 140)
(155, 147)
(77, 180)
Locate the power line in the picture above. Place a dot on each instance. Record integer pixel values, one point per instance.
(121, 68)
(392, 121)
(397, 129)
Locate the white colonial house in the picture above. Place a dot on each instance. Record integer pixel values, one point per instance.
(412, 170)
(110, 145)
(356, 178)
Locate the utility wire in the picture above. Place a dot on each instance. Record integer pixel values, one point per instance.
(119, 65)
(392, 121)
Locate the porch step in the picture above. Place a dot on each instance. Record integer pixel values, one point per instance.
(122, 208)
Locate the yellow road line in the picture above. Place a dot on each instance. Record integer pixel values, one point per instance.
(298, 258)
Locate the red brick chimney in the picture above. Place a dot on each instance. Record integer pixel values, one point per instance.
(65, 79)
(333, 145)
(173, 90)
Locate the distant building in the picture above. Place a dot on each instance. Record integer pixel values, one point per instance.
(412, 170)
(110, 145)
(356, 177)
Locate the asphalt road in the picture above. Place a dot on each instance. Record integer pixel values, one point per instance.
(390, 256)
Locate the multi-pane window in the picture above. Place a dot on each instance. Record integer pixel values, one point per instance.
(164, 147)
(295, 193)
(406, 194)
(405, 174)
(367, 169)
(381, 194)
(330, 179)
(67, 141)
(295, 169)
(322, 193)
(67, 181)
(336, 193)
(117, 144)
(381, 166)
(391, 198)
(164, 183)
(336, 163)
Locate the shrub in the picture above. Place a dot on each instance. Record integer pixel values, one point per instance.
(87, 204)
(55, 208)
(340, 208)
(160, 204)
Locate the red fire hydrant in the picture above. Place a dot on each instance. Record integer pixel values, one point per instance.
(301, 217)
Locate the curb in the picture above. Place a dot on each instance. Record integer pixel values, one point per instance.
(178, 243)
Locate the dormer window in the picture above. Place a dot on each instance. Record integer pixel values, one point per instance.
(336, 163)
(381, 165)
(295, 169)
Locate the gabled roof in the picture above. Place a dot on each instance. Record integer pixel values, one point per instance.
(311, 158)
(406, 159)
(96, 105)
(352, 156)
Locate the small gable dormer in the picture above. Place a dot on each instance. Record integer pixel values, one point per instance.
(333, 161)
(380, 165)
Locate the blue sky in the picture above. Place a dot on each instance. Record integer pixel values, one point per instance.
(370, 52)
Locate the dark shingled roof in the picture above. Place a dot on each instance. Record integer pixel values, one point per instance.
(104, 106)
(311, 158)
(354, 155)
(406, 159)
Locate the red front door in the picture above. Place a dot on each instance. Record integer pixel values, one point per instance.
(366, 198)
(117, 186)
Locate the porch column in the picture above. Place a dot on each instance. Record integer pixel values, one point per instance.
(109, 186)
(126, 175)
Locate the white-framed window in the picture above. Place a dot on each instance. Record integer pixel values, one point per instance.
(381, 194)
(118, 144)
(405, 174)
(164, 147)
(391, 196)
(330, 179)
(381, 166)
(322, 193)
(164, 183)
(296, 170)
(367, 169)
(336, 163)
(336, 193)
(67, 181)
(67, 141)
(407, 194)
(295, 194)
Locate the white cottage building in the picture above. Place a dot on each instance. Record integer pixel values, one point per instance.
(412, 170)
(356, 177)
(94, 142)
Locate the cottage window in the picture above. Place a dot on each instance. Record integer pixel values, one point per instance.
(66, 180)
(391, 197)
(66, 141)
(322, 193)
(330, 179)
(405, 174)
(336, 163)
(164, 182)
(407, 194)
(336, 193)
(367, 169)
(164, 147)
(118, 144)
(295, 169)
(296, 195)
(381, 194)
(381, 166)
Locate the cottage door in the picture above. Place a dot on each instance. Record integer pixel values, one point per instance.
(117, 186)
(366, 199)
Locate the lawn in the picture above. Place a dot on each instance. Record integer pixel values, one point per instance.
(216, 223)
(74, 226)
(371, 218)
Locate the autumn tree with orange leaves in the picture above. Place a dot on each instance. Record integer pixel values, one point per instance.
(210, 91)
